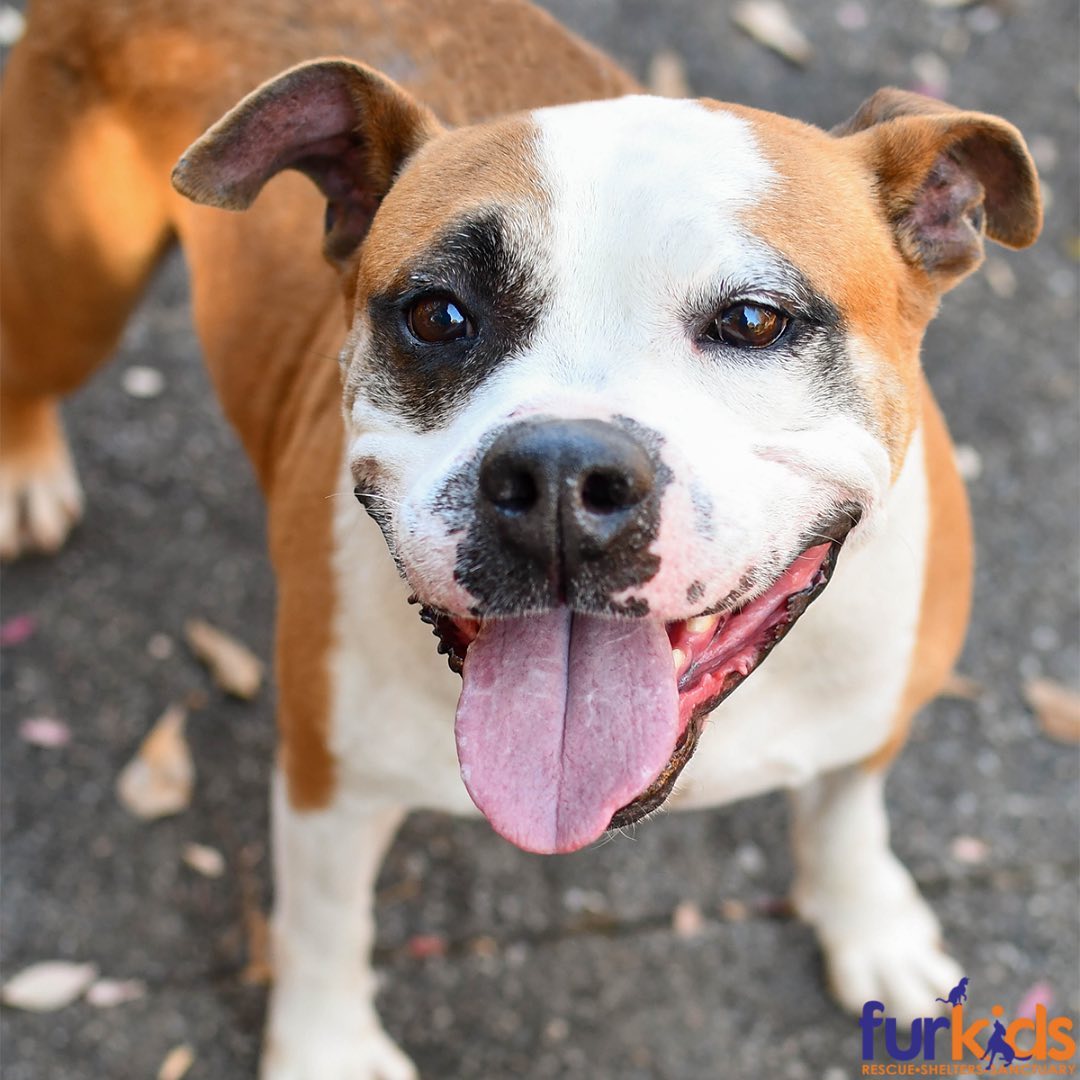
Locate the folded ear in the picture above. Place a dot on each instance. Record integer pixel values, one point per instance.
(345, 126)
(945, 177)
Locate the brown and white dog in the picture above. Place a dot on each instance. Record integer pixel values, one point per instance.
(626, 383)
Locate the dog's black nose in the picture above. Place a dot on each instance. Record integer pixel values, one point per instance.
(565, 493)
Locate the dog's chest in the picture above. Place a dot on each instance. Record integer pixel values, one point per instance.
(826, 696)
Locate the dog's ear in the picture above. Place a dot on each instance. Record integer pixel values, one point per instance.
(344, 125)
(945, 178)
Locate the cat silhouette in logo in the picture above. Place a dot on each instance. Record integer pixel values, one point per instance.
(957, 994)
(999, 1045)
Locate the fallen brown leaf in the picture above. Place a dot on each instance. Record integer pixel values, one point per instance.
(259, 969)
(667, 75)
(177, 1062)
(234, 667)
(159, 778)
(734, 910)
(204, 860)
(687, 921)
(47, 986)
(1057, 709)
(770, 24)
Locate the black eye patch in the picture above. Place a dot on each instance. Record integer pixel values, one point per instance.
(492, 289)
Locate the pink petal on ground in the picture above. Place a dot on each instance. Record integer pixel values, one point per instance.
(17, 629)
(45, 731)
(425, 946)
(1041, 993)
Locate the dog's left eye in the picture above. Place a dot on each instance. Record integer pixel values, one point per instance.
(439, 318)
(748, 326)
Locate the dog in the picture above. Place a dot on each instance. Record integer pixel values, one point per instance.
(998, 1045)
(629, 389)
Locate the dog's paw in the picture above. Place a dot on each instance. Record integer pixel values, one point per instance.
(893, 956)
(335, 1043)
(40, 496)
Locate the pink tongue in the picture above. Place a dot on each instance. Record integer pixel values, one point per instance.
(563, 719)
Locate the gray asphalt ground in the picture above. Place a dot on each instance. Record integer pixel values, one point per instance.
(567, 966)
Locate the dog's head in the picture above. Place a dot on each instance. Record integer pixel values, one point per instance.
(620, 379)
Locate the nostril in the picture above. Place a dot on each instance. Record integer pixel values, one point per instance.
(513, 491)
(608, 491)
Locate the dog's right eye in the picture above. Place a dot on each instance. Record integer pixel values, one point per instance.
(439, 318)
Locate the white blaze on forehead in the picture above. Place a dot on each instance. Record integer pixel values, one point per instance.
(646, 194)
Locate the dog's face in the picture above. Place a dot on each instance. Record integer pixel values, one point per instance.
(598, 308)
(621, 377)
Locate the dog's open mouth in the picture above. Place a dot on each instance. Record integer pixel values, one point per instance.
(571, 724)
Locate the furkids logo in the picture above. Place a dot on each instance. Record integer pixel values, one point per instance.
(1050, 1053)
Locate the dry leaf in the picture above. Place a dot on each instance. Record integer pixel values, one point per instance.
(1000, 277)
(45, 731)
(687, 920)
(962, 686)
(969, 849)
(142, 382)
(177, 1062)
(667, 75)
(259, 970)
(483, 945)
(235, 668)
(204, 859)
(1057, 709)
(47, 986)
(968, 461)
(769, 23)
(12, 25)
(159, 778)
(260, 957)
(106, 993)
(734, 910)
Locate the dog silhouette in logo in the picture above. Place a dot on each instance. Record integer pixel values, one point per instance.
(957, 994)
(997, 1045)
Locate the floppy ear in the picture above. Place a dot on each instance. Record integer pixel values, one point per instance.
(945, 178)
(344, 125)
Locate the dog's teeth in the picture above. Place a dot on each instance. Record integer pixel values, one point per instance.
(702, 624)
(678, 658)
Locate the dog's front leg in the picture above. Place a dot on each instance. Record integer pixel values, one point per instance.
(322, 1023)
(880, 939)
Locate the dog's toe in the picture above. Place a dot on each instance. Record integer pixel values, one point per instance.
(901, 964)
(374, 1058)
(40, 502)
(305, 1044)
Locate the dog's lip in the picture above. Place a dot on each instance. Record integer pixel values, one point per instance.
(657, 793)
(455, 632)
